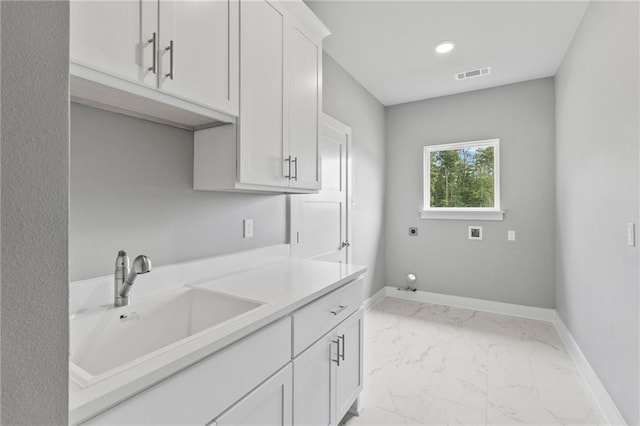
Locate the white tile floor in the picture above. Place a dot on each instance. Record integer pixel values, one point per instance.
(433, 364)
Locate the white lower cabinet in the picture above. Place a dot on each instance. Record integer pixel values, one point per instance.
(303, 369)
(349, 372)
(205, 390)
(269, 404)
(327, 377)
(313, 382)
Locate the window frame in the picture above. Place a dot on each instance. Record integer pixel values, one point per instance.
(462, 213)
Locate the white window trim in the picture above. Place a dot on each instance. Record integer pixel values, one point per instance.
(461, 213)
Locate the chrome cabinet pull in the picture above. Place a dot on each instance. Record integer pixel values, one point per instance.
(339, 309)
(337, 360)
(295, 160)
(154, 41)
(170, 49)
(341, 354)
(288, 160)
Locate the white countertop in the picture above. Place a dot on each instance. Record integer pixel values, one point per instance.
(284, 285)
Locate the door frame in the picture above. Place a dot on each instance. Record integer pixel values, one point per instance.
(327, 120)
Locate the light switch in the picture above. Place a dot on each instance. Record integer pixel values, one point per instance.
(631, 234)
(511, 235)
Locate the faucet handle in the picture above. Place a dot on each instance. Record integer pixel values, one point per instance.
(141, 264)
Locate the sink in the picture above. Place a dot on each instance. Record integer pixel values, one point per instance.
(112, 340)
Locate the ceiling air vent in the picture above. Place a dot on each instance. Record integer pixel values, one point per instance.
(473, 73)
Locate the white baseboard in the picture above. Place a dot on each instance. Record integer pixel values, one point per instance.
(602, 397)
(375, 299)
(530, 312)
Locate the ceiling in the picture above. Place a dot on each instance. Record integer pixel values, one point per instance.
(388, 46)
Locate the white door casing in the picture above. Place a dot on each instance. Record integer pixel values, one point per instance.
(320, 222)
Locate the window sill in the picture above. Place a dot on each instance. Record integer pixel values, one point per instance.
(463, 214)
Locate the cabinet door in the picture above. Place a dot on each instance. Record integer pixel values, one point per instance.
(115, 37)
(269, 404)
(313, 381)
(304, 58)
(202, 36)
(349, 373)
(260, 132)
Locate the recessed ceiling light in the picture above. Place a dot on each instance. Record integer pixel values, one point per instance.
(445, 47)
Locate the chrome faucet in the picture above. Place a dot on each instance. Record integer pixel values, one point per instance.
(124, 276)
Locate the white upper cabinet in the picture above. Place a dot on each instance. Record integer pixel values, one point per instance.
(127, 52)
(304, 108)
(261, 126)
(195, 47)
(170, 61)
(275, 142)
(253, 64)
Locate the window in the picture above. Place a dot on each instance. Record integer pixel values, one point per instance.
(462, 181)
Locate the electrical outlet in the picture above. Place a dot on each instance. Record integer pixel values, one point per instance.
(413, 232)
(248, 228)
(631, 234)
(511, 235)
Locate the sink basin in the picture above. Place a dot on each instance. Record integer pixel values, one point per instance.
(109, 341)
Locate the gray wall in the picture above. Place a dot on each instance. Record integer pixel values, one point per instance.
(445, 261)
(34, 199)
(597, 180)
(132, 189)
(347, 101)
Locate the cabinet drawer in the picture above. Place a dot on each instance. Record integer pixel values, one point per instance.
(269, 404)
(203, 391)
(317, 318)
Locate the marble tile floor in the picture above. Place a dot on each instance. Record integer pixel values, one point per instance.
(428, 364)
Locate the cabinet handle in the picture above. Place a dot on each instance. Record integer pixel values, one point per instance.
(339, 309)
(341, 354)
(153, 40)
(337, 360)
(295, 160)
(288, 160)
(170, 49)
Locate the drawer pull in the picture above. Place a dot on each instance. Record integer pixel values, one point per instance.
(295, 162)
(339, 309)
(153, 40)
(170, 48)
(288, 160)
(337, 360)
